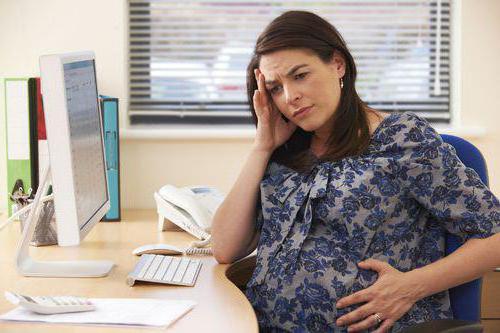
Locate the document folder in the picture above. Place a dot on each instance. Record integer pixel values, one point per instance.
(109, 111)
(20, 126)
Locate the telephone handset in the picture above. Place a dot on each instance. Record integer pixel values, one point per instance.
(190, 208)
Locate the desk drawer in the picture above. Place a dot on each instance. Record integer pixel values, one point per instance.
(490, 296)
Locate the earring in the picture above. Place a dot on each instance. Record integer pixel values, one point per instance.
(341, 83)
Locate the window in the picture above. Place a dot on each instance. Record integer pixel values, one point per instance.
(188, 58)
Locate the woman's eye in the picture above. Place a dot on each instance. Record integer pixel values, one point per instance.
(300, 76)
(275, 90)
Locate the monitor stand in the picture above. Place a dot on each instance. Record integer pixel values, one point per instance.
(27, 266)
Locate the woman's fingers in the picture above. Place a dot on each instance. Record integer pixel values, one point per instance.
(259, 77)
(260, 109)
(260, 100)
(256, 103)
(271, 124)
(369, 321)
(386, 325)
(358, 297)
(355, 315)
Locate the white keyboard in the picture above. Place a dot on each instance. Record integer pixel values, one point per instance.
(165, 269)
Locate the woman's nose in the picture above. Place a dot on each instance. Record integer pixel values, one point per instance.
(292, 95)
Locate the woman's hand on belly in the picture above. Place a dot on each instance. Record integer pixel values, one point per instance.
(387, 300)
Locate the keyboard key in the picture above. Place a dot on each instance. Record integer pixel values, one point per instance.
(181, 270)
(145, 262)
(172, 269)
(163, 268)
(191, 272)
(153, 268)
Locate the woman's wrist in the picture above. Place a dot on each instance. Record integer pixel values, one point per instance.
(419, 282)
(265, 152)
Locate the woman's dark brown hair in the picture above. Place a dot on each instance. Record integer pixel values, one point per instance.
(304, 30)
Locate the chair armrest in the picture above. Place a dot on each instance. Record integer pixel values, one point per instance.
(446, 326)
(241, 271)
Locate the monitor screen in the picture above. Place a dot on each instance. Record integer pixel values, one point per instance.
(76, 169)
(87, 155)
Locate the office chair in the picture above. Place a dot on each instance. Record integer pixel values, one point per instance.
(465, 299)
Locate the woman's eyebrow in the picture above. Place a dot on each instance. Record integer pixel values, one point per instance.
(290, 73)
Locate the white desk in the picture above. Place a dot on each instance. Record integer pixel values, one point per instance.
(221, 307)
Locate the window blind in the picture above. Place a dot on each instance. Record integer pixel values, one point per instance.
(187, 59)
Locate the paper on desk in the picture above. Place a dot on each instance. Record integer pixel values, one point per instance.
(113, 311)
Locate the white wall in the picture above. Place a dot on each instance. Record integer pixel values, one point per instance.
(480, 73)
(29, 28)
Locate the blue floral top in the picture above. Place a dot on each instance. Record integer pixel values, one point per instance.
(316, 226)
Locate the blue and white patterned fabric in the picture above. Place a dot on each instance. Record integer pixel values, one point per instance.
(392, 203)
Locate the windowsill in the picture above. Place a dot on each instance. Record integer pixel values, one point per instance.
(188, 132)
(192, 132)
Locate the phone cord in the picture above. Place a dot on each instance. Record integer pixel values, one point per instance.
(199, 247)
(196, 250)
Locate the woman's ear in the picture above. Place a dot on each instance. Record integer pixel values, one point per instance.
(337, 64)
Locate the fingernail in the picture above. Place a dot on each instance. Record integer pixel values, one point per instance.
(340, 323)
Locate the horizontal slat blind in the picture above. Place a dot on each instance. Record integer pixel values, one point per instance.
(188, 58)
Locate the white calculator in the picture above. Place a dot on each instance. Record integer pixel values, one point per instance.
(50, 304)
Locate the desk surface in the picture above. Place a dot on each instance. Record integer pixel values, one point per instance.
(220, 304)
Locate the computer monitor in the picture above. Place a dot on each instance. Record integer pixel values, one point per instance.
(76, 168)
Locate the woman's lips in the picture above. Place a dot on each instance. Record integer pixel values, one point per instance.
(303, 111)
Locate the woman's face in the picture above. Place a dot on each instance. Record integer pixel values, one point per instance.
(304, 88)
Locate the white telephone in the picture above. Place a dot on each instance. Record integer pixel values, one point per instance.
(191, 208)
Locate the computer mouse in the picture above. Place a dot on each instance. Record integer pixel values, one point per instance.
(157, 249)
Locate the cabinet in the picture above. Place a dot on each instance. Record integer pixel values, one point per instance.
(490, 303)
